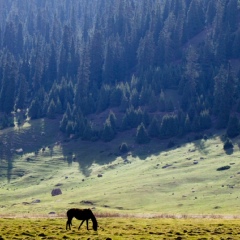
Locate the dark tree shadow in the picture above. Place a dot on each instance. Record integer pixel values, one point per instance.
(229, 151)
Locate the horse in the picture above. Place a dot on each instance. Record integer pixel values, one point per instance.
(81, 214)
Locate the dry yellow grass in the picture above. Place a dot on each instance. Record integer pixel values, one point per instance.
(121, 228)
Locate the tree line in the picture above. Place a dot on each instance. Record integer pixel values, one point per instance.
(74, 58)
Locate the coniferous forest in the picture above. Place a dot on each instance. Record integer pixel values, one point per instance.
(163, 67)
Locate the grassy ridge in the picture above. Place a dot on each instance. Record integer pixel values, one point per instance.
(181, 180)
(121, 228)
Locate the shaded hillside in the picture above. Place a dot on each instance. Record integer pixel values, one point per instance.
(82, 59)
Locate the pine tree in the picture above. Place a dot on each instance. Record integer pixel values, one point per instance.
(112, 118)
(205, 120)
(194, 21)
(96, 58)
(153, 129)
(63, 123)
(116, 97)
(7, 90)
(10, 37)
(223, 90)
(35, 109)
(142, 135)
(169, 126)
(145, 52)
(233, 127)
(104, 98)
(88, 132)
(108, 132)
(21, 93)
(187, 125)
(51, 111)
(20, 39)
(70, 128)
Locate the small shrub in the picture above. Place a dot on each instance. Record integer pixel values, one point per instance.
(223, 168)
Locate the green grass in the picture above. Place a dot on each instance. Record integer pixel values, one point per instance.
(121, 228)
(157, 181)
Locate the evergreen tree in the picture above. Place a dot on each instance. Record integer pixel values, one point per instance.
(223, 96)
(88, 133)
(112, 118)
(116, 97)
(70, 128)
(145, 52)
(169, 126)
(10, 37)
(194, 21)
(104, 98)
(205, 120)
(187, 125)
(20, 39)
(96, 58)
(123, 148)
(35, 109)
(7, 91)
(162, 105)
(153, 129)
(63, 123)
(108, 132)
(233, 127)
(51, 111)
(21, 93)
(142, 135)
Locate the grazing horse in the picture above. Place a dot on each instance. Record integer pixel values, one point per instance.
(81, 214)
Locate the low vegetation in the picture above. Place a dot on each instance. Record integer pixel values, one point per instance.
(121, 228)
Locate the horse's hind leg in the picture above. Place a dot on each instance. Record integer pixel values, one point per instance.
(68, 224)
(81, 224)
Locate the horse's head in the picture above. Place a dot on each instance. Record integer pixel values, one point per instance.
(94, 221)
(95, 226)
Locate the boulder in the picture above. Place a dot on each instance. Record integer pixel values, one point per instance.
(56, 191)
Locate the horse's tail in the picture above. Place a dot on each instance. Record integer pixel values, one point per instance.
(94, 221)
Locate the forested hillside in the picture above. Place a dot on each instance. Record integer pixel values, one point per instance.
(163, 67)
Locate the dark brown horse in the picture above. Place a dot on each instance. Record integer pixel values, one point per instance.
(81, 214)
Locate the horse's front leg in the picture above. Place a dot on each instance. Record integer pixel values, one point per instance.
(87, 224)
(81, 224)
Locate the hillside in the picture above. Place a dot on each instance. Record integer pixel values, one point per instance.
(149, 179)
(81, 59)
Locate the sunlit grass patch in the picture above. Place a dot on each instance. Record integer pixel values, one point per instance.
(121, 228)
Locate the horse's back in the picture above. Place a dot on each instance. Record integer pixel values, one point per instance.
(80, 214)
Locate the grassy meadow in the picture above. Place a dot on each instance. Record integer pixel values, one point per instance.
(122, 228)
(149, 193)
